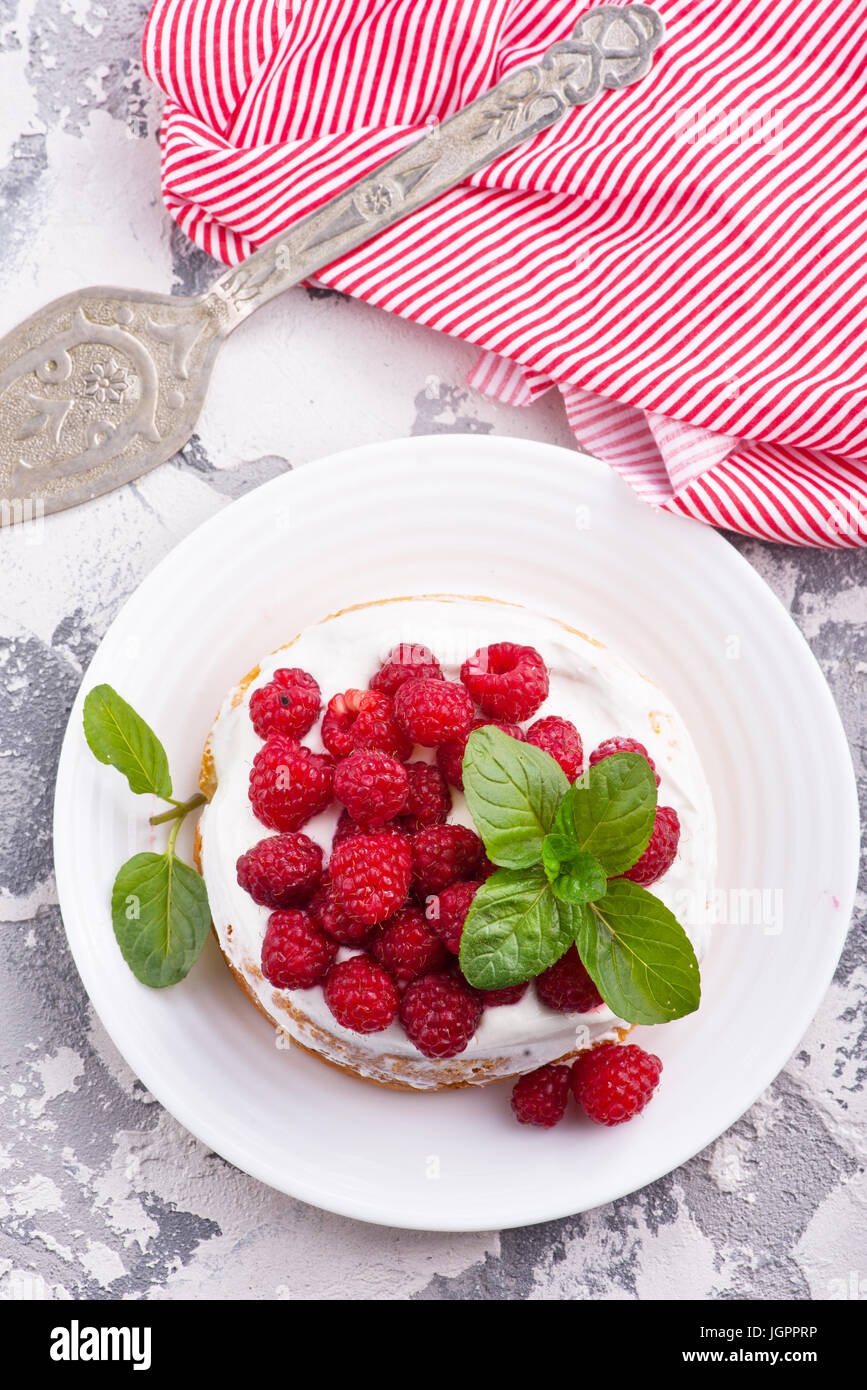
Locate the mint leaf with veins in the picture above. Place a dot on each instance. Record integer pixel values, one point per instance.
(513, 791)
(611, 815)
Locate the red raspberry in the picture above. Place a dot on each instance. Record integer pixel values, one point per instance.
(428, 799)
(447, 911)
(361, 995)
(295, 953)
(346, 828)
(289, 784)
(372, 787)
(506, 681)
(439, 1014)
(335, 921)
(363, 719)
(281, 870)
(450, 756)
(566, 986)
(442, 854)
(661, 853)
(288, 704)
(621, 745)
(406, 948)
(431, 712)
(561, 739)
(509, 994)
(613, 1082)
(541, 1096)
(370, 875)
(406, 662)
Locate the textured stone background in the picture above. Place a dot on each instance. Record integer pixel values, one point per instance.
(104, 1195)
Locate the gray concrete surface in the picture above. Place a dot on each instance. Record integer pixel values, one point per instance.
(103, 1194)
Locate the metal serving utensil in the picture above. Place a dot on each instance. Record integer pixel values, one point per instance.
(104, 384)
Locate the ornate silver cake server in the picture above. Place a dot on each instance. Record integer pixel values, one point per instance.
(104, 384)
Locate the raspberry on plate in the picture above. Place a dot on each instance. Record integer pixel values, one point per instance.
(540, 1097)
(335, 921)
(614, 1081)
(405, 946)
(622, 745)
(509, 994)
(439, 1014)
(432, 712)
(363, 719)
(281, 870)
(289, 784)
(295, 953)
(370, 875)
(442, 854)
(372, 787)
(406, 662)
(288, 704)
(428, 799)
(661, 853)
(361, 995)
(566, 986)
(446, 912)
(507, 681)
(561, 739)
(450, 756)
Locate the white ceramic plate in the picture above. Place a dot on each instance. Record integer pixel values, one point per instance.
(560, 533)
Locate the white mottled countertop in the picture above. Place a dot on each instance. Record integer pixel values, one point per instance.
(104, 1195)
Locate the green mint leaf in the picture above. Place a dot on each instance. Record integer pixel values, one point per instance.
(611, 815)
(513, 929)
(120, 737)
(513, 790)
(161, 918)
(578, 878)
(638, 955)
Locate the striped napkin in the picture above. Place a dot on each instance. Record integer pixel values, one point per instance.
(684, 261)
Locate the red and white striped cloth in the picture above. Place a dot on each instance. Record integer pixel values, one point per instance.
(685, 261)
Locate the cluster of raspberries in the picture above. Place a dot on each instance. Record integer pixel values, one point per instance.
(610, 1082)
(400, 880)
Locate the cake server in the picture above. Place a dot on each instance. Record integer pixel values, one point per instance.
(104, 384)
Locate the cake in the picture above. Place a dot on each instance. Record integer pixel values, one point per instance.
(588, 684)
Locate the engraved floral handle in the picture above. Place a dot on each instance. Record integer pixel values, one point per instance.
(611, 46)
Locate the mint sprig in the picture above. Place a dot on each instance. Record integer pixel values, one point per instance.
(562, 850)
(159, 904)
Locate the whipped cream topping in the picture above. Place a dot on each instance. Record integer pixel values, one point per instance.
(589, 684)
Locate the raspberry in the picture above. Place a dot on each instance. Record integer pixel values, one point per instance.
(288, 704)
(361, 995)
(621, 745)
(372, 787)
(661, 853)
(428, 799)
(281, 870)
(561, 739)
(442, 854)
(566, 986)
(289, 784)
(613, 1082)
(506, 681)
(540, 1097)
(346, 828)
(405, 947)
(509, 994)
(335, 921)
(370, 875)
(447, 911)
(450, 756)
(363, 719)
(439, 1014)
(295, 953)
(406, 662)
(431, 712)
